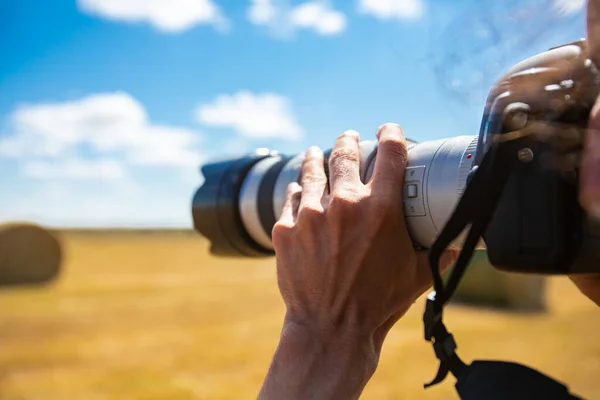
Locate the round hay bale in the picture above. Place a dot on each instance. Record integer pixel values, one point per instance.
(484, 285)
(29, 255)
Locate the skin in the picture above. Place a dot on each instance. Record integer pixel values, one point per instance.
(344, 282)
(590, 164)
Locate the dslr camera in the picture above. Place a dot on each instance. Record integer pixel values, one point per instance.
(512, 190)
(539, 108)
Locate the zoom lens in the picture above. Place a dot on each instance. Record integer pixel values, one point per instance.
(241, 199)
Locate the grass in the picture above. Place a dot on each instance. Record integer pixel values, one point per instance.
(153, 316)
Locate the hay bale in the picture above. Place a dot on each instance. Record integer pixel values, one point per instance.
(29, 255)
(483, 285)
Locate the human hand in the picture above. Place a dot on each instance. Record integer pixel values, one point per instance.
(590, 163)
(590, 166)
(346, 268)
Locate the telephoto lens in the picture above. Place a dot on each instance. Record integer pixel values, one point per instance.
(242, 198)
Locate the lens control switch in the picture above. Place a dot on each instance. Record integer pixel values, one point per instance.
(412, 190)
(414, 204)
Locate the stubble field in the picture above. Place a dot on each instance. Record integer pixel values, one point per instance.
(152, 316)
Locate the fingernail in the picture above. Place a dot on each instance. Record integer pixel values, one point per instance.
(351, 133)
(313, 152)
(389, 130)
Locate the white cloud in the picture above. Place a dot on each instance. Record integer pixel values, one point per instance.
(262, 12)
(109, 125)
(567, 7)
(87, 163)
(316, 15)
(75, 169)
(262, 115)
(171, 16)
(392, 9)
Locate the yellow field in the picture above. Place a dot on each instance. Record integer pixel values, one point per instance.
(152, 316)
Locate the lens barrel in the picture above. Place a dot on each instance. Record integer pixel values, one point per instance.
(241, 199)
(216, 211)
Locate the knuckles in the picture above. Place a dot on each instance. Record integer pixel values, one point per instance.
(313, 178)
(344, 208)
(344, 198)
(293, 189)
(282, 233)
(395, 148)
(311, 214)
(343, 154)
(345, 204)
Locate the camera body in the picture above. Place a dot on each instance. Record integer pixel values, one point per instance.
(538, 225)
(539, 108)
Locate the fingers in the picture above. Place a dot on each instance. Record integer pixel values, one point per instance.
(589, 286)
(593, 29)
(289, 212)
(344, 162)
(392, 156)
(314, 180)
(590, 165)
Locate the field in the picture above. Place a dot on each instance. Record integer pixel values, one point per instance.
(152, 316)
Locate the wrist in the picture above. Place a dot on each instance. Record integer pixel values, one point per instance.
(319, 364)
(342, 345)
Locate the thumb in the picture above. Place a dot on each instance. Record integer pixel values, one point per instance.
(588, 285)
(590, 165)
(593, 29)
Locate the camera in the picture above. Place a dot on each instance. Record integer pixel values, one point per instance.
(538, 109)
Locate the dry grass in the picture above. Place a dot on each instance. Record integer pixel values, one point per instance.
(154, 317)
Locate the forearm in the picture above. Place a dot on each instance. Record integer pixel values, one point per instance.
(307, 366)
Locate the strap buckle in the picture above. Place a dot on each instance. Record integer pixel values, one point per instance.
(444, 344)
(430, 318)
(445, 351)
(445, 348)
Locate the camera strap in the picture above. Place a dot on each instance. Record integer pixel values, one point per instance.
(473, 211)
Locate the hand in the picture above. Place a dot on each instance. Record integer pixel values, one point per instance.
(590, 164)
(590, 167)
(346, 269)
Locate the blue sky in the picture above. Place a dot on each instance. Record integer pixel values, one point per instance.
(108, 107)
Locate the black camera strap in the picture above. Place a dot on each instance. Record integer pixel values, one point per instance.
(475, 209)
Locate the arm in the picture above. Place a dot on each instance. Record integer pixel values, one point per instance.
(346, 270)
(306, 366)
